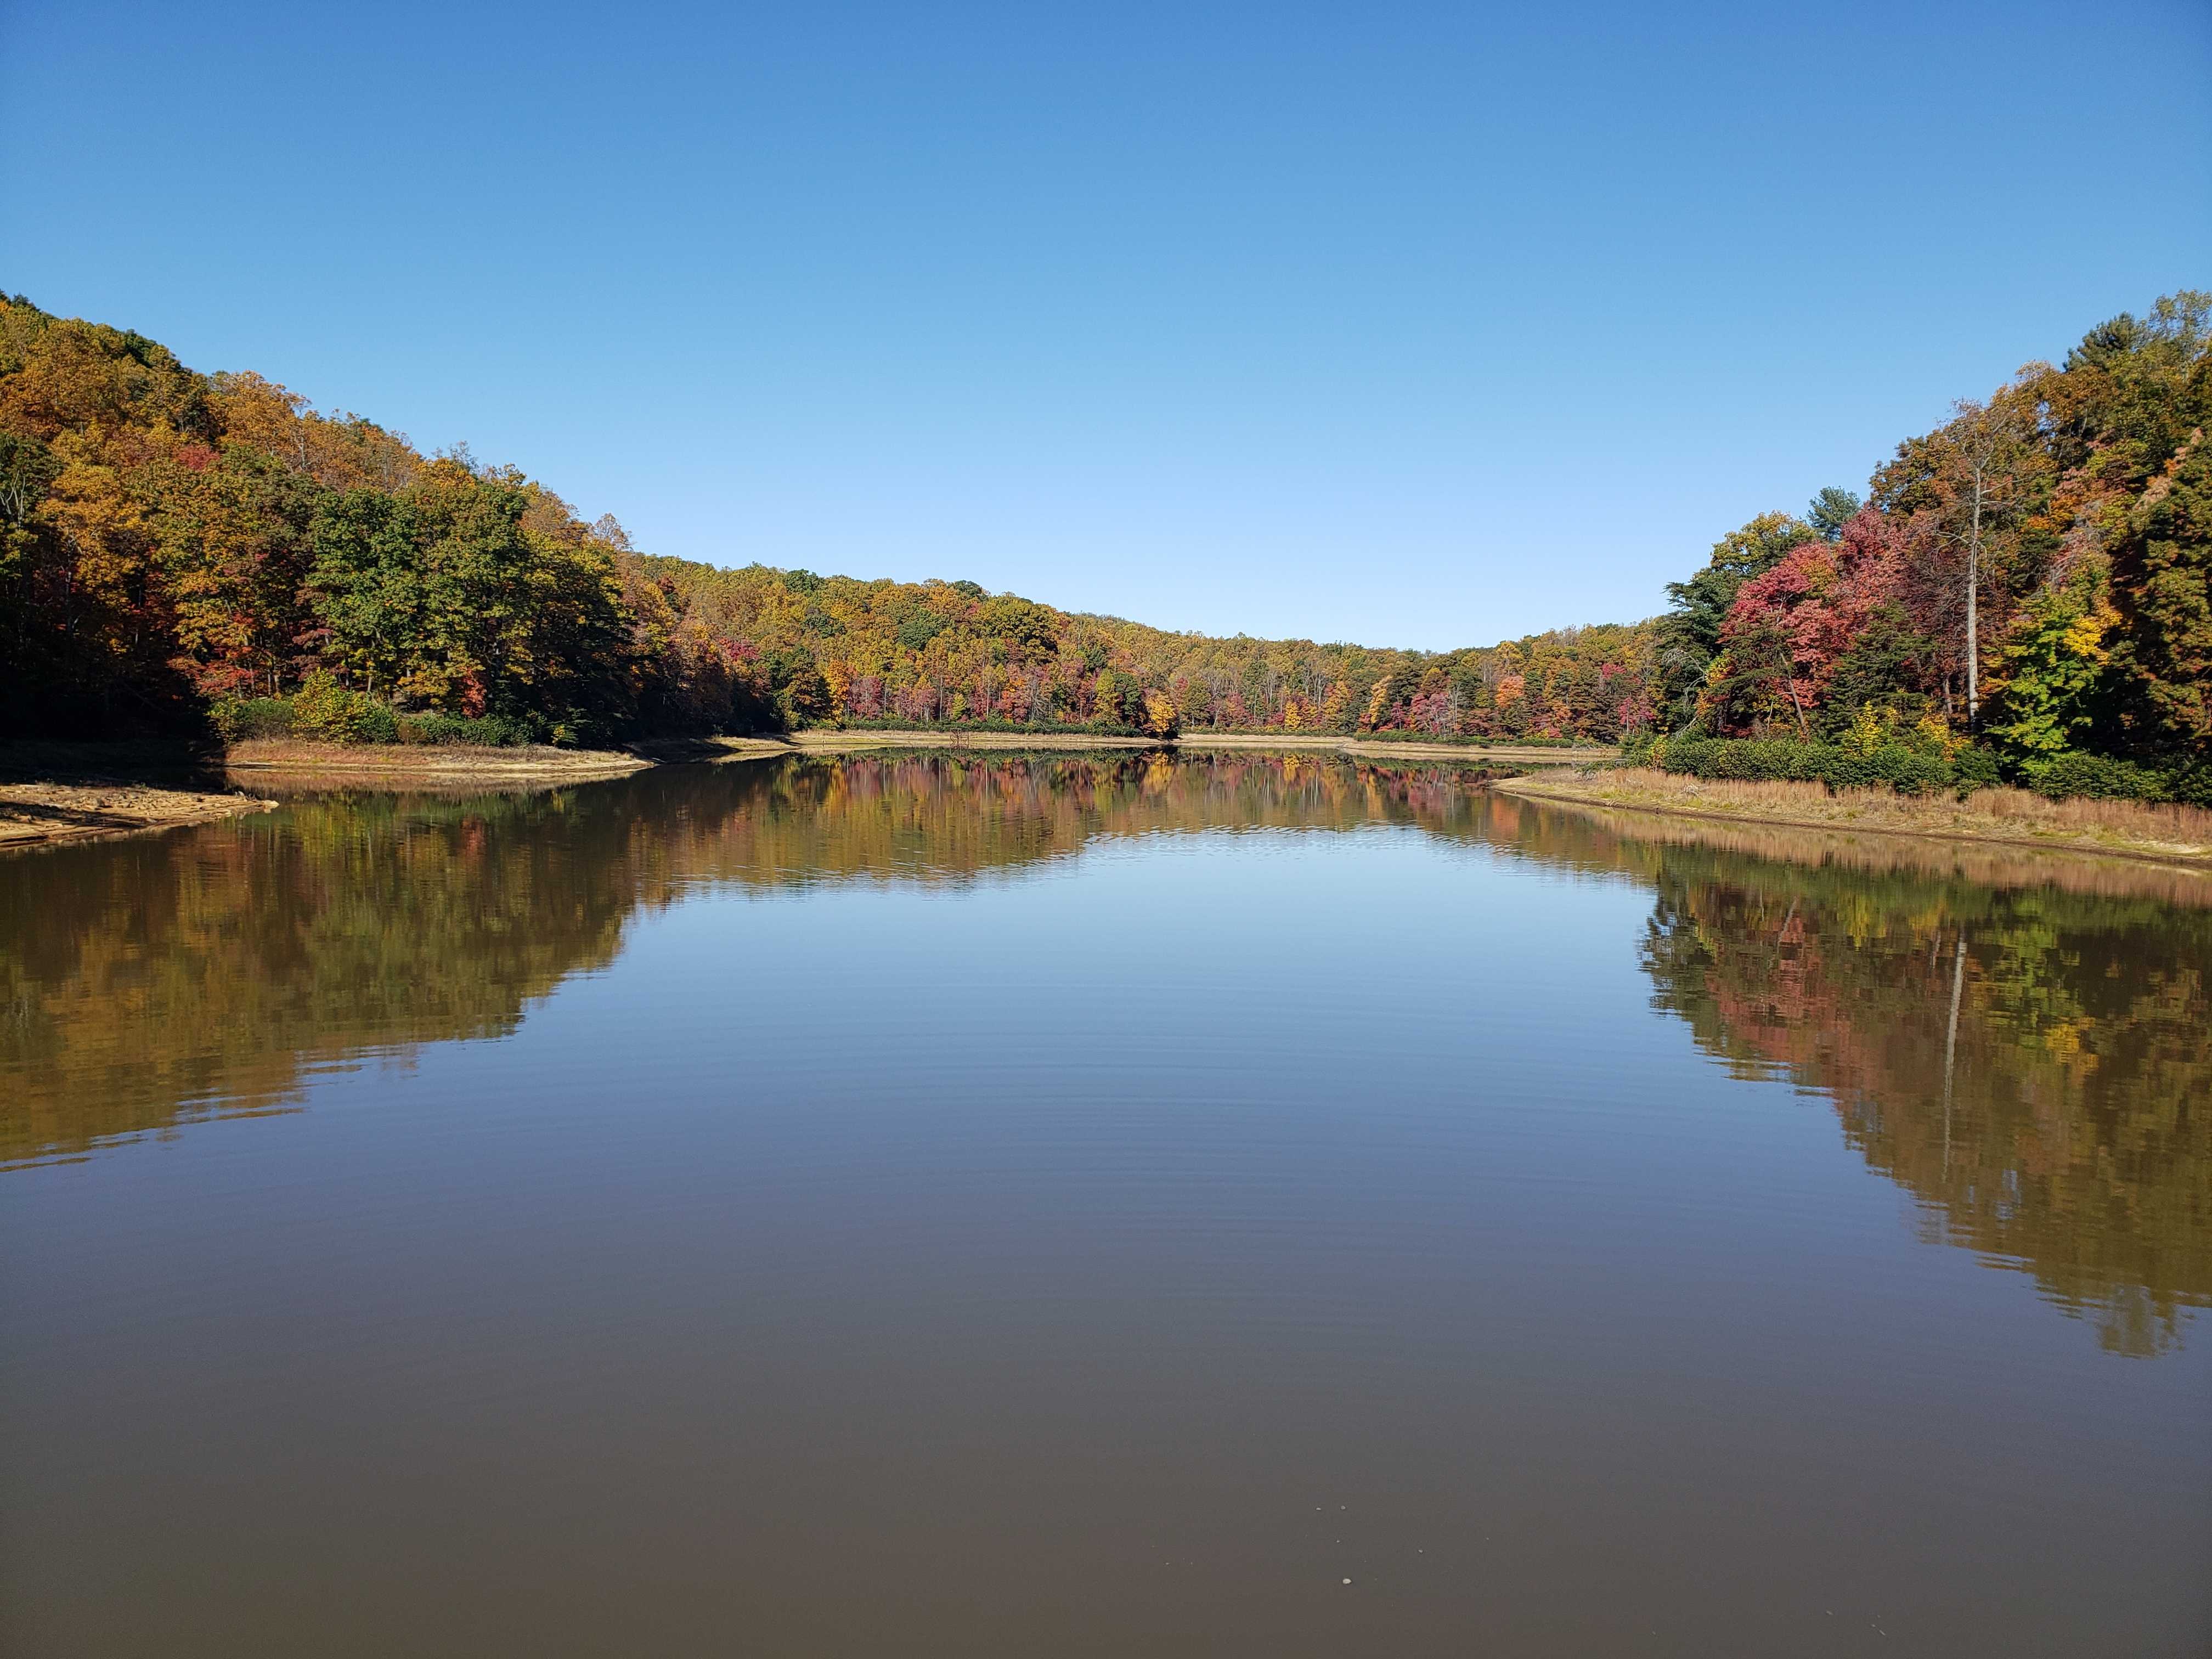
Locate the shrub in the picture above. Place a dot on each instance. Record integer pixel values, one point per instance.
(1869, 758)
(373, 722)
(2192, 783)
(2099, 777)
(324, 708)
(1977, 768)
(237, 718)
(488, 731)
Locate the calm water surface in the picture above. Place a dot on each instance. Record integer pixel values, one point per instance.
(1094, 1206)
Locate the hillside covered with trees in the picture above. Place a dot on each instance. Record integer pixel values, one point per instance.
(2033, 574)
(179, 545)
(178, 548)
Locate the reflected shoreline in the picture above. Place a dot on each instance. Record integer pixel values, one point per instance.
(2014, 1037)
(1995, 860)
(1990, 863)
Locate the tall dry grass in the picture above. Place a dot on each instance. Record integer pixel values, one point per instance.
(2127, 817)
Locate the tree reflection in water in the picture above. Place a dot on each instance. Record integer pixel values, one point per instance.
(2019, 1041)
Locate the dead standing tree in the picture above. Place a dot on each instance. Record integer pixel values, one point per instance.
(1987, 446)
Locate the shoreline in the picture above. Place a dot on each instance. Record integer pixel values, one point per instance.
(1385, 749)
(427, 760)
(830, 741)
(44, 813)
(1858, 812)
(52, 793)
(845, 741)
(58, 792)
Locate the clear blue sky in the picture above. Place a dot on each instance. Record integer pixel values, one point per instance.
(1410, 324)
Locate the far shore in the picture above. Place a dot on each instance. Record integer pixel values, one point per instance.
(56, 791)
(839, 742)
(53, 792)
(2009, 817)
(1387, 749)
(833, 741)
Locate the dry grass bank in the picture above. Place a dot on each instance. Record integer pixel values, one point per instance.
(35, 812)
(427, 760)
(2179, 834)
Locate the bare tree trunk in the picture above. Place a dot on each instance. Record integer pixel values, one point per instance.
(1973, 595)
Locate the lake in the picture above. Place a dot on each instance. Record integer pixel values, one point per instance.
(1097, 1205)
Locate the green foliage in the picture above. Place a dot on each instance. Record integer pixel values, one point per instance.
(27, 467)
(488, 731)
(1026, 629)
(1830, 511)
(1910, 768)
(1975, 768)
(237, 718)
(802, 695)
(325, 711)
(441, 593)
(2101, 777)
(918, 630)
(1875, 671)
(2162, 590)
(2053, 685)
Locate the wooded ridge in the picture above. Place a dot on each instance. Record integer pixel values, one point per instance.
(180, 550)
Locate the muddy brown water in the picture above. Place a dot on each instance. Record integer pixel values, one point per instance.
(1089, 1204)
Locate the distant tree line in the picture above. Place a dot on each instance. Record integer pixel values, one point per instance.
(2031, 576)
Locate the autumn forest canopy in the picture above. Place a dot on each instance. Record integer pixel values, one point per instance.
(184, 551)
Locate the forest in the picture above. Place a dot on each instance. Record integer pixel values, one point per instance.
(2025, 587)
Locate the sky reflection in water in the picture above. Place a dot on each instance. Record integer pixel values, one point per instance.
(1101, 1202)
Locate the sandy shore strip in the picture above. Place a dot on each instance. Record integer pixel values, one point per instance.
(38, 812)
(2011, 817)
(430, 760)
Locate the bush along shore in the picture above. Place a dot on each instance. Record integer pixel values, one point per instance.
(325, 711)
(1874, 753)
